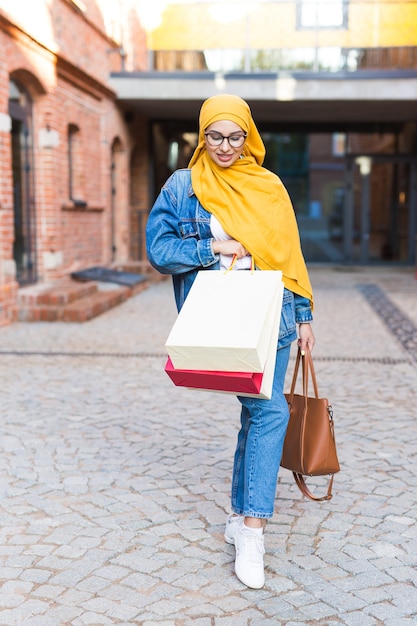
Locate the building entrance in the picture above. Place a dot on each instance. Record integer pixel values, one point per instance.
(352, 207)
(380, 209)
(358, 208)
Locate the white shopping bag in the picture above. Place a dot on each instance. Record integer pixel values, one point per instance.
(269, 369)
(228, 322)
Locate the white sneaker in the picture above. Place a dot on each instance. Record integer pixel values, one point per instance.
(232, 524)
(249, 564)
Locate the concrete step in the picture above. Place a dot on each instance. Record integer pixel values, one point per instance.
(141, 267)
(60, 293)
(4, 316)
(70, 301)
(86, 308)
(7, 299)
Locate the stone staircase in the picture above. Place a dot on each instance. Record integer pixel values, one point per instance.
(68, 300)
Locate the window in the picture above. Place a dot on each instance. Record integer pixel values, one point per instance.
(322, 14)
(24, 206)
(75, 175)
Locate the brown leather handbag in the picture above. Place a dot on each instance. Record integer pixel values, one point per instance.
(309, 446)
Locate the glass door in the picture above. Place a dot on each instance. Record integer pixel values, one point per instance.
(351, 206)
(380, 204)
(312, 168)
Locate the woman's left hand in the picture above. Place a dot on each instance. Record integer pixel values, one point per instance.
(306, 337)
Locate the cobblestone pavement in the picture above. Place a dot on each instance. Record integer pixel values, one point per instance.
(115, 484)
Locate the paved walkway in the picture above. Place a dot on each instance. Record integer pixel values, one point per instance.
(115, 484)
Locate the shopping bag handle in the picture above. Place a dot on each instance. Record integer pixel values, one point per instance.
(233, 263)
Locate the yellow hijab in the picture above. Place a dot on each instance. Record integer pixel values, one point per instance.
(250, 202)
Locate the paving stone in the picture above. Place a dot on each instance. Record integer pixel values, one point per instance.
(115, 484)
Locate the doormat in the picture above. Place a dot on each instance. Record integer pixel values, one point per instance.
(106, 275)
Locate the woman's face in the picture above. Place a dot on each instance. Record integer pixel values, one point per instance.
(227, 151)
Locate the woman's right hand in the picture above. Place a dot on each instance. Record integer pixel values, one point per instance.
(229, 247)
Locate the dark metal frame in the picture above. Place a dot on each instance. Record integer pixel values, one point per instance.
(22, 116)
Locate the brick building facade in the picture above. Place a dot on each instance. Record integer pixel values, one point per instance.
(99, 101)
(66, 201)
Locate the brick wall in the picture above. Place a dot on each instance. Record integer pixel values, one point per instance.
(139, 198)
(8, 285)
(62, 60)
(82, 238)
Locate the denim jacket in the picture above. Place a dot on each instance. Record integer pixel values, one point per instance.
(179, 242)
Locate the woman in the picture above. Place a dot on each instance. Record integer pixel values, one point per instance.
(224, 205)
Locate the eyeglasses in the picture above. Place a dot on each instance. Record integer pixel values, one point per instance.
(234, 141)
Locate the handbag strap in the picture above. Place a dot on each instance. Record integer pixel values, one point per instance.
(299, 479)
(295, 374)
(307, 366)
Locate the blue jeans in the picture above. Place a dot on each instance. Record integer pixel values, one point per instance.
(259, 447)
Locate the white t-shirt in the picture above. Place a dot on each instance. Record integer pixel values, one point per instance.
(226, 260)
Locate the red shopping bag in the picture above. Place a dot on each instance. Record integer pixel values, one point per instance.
(232, 382)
